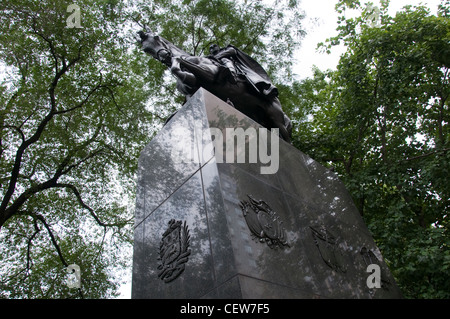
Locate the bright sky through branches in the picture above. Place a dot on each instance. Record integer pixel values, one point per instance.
(321, 23)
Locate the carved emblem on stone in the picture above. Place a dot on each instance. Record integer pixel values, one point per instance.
(173, 251)
(263, 222)
(370, 258)
(329, 249)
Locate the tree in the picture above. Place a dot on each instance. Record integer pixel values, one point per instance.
(79, 102)
(72, 122)
(383, 126)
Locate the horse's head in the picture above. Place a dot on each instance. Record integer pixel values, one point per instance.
(156, 47)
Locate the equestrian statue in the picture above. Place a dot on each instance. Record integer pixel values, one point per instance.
(228, 73)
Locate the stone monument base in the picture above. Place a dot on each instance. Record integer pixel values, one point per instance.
(225, 209)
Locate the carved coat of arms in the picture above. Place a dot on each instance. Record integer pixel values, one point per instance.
(327, 244)
(173, 251)
(263, 222)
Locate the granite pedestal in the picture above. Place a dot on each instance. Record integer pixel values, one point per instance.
(208, 226)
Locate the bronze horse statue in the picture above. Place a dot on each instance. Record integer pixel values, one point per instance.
(229, 74)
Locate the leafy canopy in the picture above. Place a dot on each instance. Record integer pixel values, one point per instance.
(72, 122)
(77, 107)
(381, 122)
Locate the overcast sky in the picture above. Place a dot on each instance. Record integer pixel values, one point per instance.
(320, 24)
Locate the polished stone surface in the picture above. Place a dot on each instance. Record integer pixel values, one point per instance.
(183, 175)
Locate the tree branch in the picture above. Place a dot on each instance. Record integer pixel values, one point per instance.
(5, 212)
(83, 102)
(39, 217)
(49, 42)
(52, 237)
(30, 240)
(22, 135)
(85, 206)
(62, 169)
(16, 167)
(425, 155)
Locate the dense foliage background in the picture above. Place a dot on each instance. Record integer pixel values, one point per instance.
(79, 104)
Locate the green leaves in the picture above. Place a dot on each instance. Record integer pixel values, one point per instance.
(72, 123)
(77, 106)
(383, 127)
